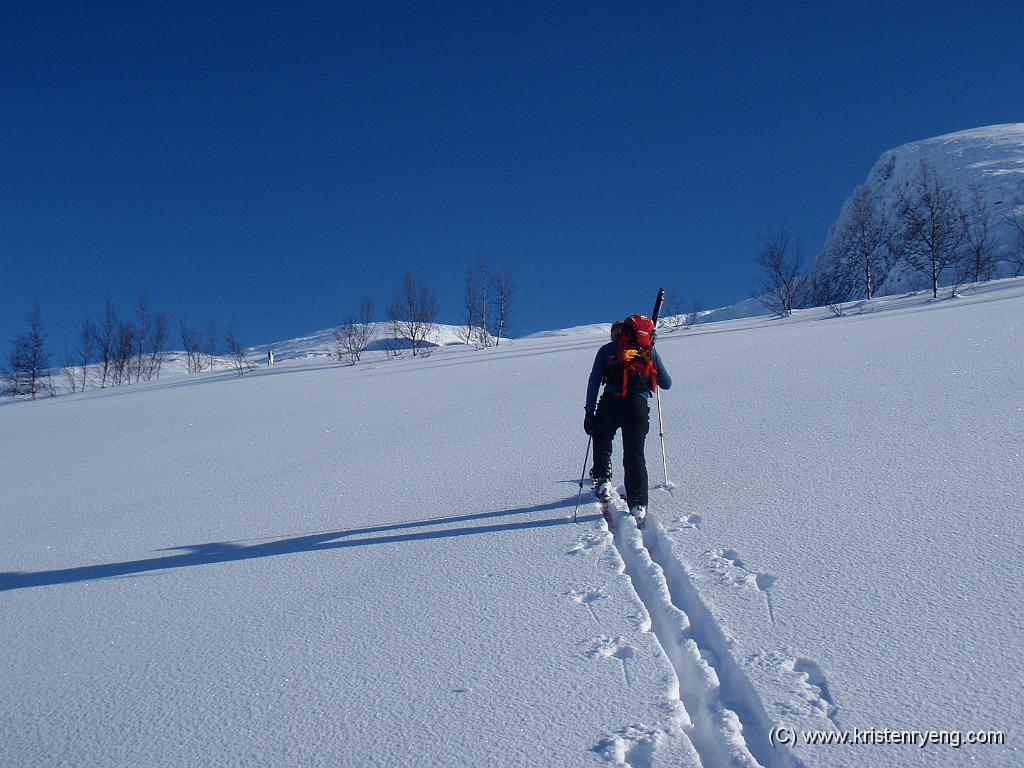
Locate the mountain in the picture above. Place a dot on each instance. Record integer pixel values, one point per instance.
(989, 158)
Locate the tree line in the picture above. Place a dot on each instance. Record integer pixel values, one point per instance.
(934, 232)
(488, 301)
(114, 351)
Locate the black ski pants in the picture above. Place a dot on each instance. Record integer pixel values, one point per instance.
(631, 414)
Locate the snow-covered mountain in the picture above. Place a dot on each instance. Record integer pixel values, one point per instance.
(991, 158)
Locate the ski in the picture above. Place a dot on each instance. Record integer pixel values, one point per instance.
(606, 513)
(657, 306)
(608, 508)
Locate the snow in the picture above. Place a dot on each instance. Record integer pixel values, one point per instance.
(376, 565)
(990, 158)
(322, 343)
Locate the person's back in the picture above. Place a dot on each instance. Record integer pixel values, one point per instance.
(630, 369)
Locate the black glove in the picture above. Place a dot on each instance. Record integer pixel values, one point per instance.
(590, 423)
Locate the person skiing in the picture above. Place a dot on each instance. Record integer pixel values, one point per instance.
(630, 368)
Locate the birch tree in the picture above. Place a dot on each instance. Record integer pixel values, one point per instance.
(502, 296)
(413, 313)
(932, 226)
(781, 261)
(979, 262)
(354, 335)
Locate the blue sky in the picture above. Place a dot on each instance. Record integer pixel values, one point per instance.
(268, 164)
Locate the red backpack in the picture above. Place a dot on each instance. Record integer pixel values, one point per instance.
(640, 330)
(633, 355)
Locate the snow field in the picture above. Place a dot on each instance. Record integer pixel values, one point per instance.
(324, 565)
(305, 566)
(849, 496)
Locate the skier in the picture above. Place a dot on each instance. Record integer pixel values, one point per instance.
(630, 368)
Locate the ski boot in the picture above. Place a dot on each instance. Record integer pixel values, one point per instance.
(604, 490)
(639, 513)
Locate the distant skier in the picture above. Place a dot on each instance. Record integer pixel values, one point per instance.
(270, 358)
(630, 368)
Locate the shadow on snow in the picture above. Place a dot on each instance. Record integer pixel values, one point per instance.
(228, 551)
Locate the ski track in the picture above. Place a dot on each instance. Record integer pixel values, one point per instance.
(728, 723)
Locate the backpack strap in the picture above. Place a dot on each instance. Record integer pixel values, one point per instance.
(632, 360)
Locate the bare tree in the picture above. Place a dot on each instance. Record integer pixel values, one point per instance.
(210, 344)
(862, 246)
(932, 226)
(781, 261)
(413, 313)
(353, 337)
(157, 346)
(86, 340)
(27, 370)
(483, 304)
(16, 375)
(979, 264)
(236, 354)
(478, 306)
(190, 343)
(393, 340)
(487, 306)
(124, 352)
(672, 314)
(105, 340)
(469, 330)
(690, 319)
(502, 295)
(1017, 247)
(834, 284)
(143, 329)
(69, 370)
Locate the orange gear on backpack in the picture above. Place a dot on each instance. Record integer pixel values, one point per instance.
(631, 359)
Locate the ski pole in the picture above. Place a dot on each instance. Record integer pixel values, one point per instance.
(582, 475)
(661, 418)
(661, 434)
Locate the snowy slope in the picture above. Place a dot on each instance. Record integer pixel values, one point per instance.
(319, 564)
(322, 344)
(743, 309)
(991, 158)
(319, 345)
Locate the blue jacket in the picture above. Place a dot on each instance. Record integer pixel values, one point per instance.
(601, 364)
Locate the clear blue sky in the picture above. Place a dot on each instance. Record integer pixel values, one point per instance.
(267, 164)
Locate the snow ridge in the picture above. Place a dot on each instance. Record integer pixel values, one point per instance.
(727, 722)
